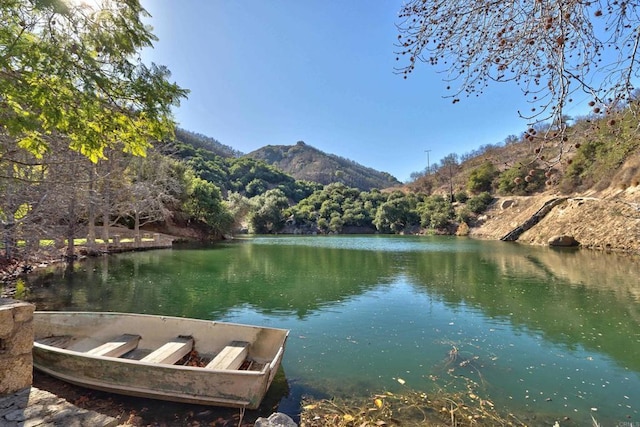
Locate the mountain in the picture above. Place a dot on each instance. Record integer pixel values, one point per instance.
(305, 162)
(199, 141)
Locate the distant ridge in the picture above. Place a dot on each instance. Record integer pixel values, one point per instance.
(305, 162)
(199, 141)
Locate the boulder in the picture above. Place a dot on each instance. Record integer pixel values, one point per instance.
(277, 419)
(563, 241)
(506, 204)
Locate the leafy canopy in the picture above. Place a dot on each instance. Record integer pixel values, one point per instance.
(76, 70)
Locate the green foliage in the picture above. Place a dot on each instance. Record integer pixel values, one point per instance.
(481, 178)
(479, 203)
(238, 207)
(337, 206)
(461, 197)
(397, 213)
(204, 203)
(267, 214)
(75, 71)
(518, 180)
(243, 175)
(597, 159)
(435, 212)
(464, 215)
(186, 140)
(256, 187)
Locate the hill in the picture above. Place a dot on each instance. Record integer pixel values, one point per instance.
(199, 141)
(305, 162)
(596, 181)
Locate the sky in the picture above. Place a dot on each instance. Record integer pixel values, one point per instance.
(320, 71)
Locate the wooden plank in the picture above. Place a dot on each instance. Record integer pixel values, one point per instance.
(61, 341)
(170, 352)
(231, 357)
(117, 347)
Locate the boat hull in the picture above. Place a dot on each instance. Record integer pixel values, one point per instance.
(128, 376)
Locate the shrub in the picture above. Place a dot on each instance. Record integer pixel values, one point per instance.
(479, 203)
(481, 178)
(461, 197)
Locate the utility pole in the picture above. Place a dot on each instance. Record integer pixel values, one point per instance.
(428, 164)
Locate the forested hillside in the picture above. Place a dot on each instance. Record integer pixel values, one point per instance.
(308, 163)
(199, 141)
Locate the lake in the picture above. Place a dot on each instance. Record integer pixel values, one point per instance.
(538, 331)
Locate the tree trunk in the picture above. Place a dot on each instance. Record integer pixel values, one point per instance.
(71, 229)
(10, 246)
(136, 229)
(106, 202)
(91, 232)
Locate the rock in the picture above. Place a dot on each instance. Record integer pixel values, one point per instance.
(563, 241)
(506, 204)
(463, 229)
(277, 419)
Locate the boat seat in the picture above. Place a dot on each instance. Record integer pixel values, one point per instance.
(117, 347)
(231, 357)
(170, 352)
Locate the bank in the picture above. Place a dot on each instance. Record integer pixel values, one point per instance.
(607, 220)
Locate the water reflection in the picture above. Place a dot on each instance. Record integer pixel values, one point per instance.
(540, 330)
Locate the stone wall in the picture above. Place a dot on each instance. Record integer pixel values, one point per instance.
(16, 343)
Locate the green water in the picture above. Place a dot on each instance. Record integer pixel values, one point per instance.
(540, 331)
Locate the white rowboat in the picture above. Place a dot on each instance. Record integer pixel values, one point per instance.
(142, 355)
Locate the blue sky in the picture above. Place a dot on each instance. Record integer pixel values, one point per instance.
(280, 71)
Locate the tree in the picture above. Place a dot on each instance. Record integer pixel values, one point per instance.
(204, 203)
(397, 213)
(238, 207)
(76, 71)
(481, 178)
(23, 195)
(435, 212)
(268, 213)
(153, 188)
(553, 49)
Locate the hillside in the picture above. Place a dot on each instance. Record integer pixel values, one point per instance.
(304, 162)
(602, 217)
(199, 141)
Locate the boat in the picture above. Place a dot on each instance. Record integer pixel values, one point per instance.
(160, 357)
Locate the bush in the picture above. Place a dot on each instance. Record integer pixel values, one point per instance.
(518, 180)
(479, 203)
(435, 212)
(481, 178)
(461, 197)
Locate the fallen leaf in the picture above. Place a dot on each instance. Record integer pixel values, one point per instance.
(378, 403)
